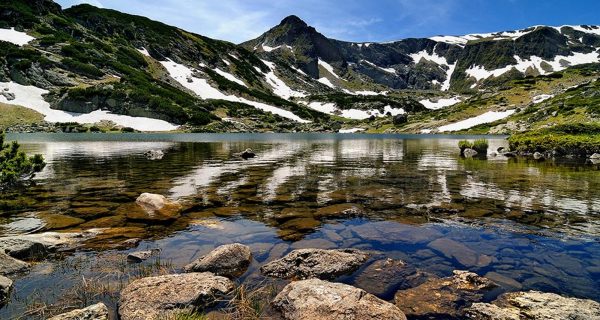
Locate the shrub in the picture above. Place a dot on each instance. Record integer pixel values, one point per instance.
(15, 166)
(464, 144)
(480, 145)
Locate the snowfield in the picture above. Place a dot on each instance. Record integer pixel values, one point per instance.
(388, 70)
(204, 90)
(329, 68)
(229, 76)
(440, 103)
(32, 97)
(487, 117)
(352, 130)
(280, 88)
(15, 37)
(417, 57)
(355, 114)
(541, 98)
(326, 82)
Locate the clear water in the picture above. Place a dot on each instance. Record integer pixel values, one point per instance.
(532, 224)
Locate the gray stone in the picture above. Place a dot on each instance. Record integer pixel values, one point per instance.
(10, 265)
(6, 286)
(535, 305)
(229, 260)
(383, 276)
(162, 296)
(463, 254)
(445, 297)
(38, 245)
(595, 156)
(140, 256)
(97, 311)
(538, 156)
(470, 153)
(316, 263)
(318, 299)
(154, 154)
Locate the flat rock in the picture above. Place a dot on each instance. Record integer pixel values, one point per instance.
(97, 311)
(315, 263)
(340, 210)
(443, 297)
(383, 276)
(10, 265)
(535, 305)
(6, 286)
(317, 299)
(38, 245)
(155, 297)
(229, 260)
(139, 256)
(463, 254)
(151, 207)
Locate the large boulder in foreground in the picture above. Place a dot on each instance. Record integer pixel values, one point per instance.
(229, 260)
(6, 286)
(10, 265)
(319, 300)
(316, 263)
(97, 311)
(535, 305)
(443, 297)
(159, 297)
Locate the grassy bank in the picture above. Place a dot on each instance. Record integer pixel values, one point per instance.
(16, 115)
(567, 139)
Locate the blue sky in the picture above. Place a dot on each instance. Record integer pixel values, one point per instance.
(358, 20)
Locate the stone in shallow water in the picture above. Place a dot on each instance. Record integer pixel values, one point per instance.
(59, 221)
(463, 254)
(383, 276)
(38, 245)
(445, 297)
(315, 263)
(155, 297)
(301, 224)
(535, 305)
(314, 243)
(318, 299)
(504, 281)
(340, 210)
(106, 222)
(229, 260)
(91, 212)
(139, 256)
(94, 312)
(392, 232)
(6, 286)
(10, 265)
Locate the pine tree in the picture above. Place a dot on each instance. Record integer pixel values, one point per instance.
(15, 166)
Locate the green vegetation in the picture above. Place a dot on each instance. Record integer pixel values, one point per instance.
(567, 139)
(15, 166)
(479, 145)
(16, 115)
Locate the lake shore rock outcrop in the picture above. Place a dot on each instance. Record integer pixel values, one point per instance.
(97, 311)
(229, 260)
(318, 299)
(316, 263)
(149, 298)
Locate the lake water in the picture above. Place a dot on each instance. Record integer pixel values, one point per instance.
(526, 224)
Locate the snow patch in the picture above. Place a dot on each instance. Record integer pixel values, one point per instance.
(280, 88)
(355, 114)
(183, 75)
(352, 130)
(487, 117)
(15, 37)
(144, 52)
(329, 68)
(440, 103)
(388, 70)
(435, 58)
(542, 98)
(267, 48)
(229, 76)
(32, 97)
(326, 82)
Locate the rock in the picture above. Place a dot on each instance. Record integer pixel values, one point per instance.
(538, 156)
(247, 154)
(58, 221)
(38, 245)
(383, 276)
(340, 210)
(97, 311)
(154, 297)
(443, 297)
(535, 305)
(400, 119)
(229, 260)
(154, 154)
(10, 265)
(469, 153)
(140, 256)
(595, 156)
(463, 254)
(315, 263)
(6, 286)
(502, 150)
(318, 299)
(153, 202)
(8, 95)
(152, 207)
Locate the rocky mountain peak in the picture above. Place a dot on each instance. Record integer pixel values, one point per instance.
(293, 21)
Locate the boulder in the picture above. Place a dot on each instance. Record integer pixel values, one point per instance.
(534, 305)
(247, 154)
(400, 119)
(151, 207)
(340, 210)
(97, 311)
(154, 154)
(154, 202)
(445, 297)
(229, 260)
(595, 156)
(538, 156)
(469, 153)
(316, 263)
(383, 276)
(319, 300)
(156, 297)
(10, 265)
(139, 256)
(38, 245)
(461, 253)
(6, 286)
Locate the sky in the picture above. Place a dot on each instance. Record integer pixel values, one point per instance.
(357, 20)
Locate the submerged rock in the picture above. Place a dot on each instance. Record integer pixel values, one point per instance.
(154, 154)
(10, 265)
(38, 245)
(316, 263)
(340, 210)
(140, 256)
(6, 286)
(318, 299)
(383, 276)
(151, 207)
(535, 305)
(443, 297)
(229, 260)
(463, 254)
(97, 311)
(155, 297)
(470, 153)
(247, 154)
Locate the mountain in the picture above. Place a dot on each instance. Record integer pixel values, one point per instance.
(86, 68)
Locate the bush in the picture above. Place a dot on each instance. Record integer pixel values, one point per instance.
(15, 166)
(479, 145)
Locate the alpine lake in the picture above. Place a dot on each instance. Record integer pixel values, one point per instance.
(528, 225)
